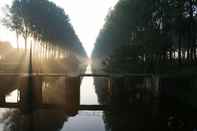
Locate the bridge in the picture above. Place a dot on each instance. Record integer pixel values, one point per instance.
(35, 90)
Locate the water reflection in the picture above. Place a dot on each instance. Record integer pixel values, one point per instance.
(53, 98)
(51, 120)
(85, 121)
(138, 103)
(39, 120)
(141, 103)
(13, 97)
(87, 90)
(53, 91)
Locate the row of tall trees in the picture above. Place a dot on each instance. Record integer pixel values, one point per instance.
(45, 27)
(148, 36)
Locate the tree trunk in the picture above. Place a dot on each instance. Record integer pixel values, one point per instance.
(17, 43)
(179, 49)
(170, 53)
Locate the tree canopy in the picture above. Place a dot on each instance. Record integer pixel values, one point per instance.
(46, 26)
(148, 36)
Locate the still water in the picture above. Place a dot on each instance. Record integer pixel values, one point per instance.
(87, 90)
(55, 120)
(86, 120)
(137, 105)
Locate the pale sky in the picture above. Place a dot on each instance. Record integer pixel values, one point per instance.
(87, 18)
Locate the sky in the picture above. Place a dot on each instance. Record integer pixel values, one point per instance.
(5, 34)
(86, 16)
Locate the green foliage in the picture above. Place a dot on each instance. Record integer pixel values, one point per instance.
(44, 21)
(148, 36)
(47, 29)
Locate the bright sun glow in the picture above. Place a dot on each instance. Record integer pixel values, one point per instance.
(87, 18)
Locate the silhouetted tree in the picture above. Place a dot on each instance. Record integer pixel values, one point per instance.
(156, 35)
(46, 27)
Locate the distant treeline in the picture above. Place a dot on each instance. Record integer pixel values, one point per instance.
(148, 36)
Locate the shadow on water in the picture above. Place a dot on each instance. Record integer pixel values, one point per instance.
(55, 101)
(49, 112)
(141, 103)
(136, 103)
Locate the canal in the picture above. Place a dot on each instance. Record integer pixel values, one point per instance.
(136, 106)
(12, 119)
(86, 120)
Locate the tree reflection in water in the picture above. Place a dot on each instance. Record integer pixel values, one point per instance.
(135, 107)
(52, 118)
(41, 119)
(48, 118)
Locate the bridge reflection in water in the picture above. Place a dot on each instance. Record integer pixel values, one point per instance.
(57, 91)
(54, 99)
(51, 96)
(45, 91)
(137, 100)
